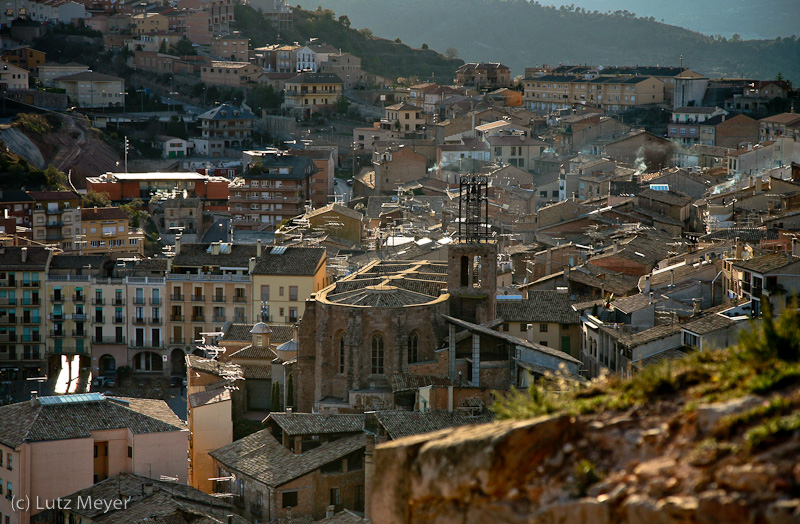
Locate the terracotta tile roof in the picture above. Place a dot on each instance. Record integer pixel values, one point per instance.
(165, 503)
(540, 306)
(766, 263)
(316, 423)
(36, 260)
(237, 332)
(103, 213)
(77, 261)
(257, 371)
(263, 458)
(210, 396)
(671, 198)
(197, 255)
(399, 424)
(411, 382)
(35, 421)
(337, 208)
(254, 352)
(302, 261)
(213, 367)
(344, 517)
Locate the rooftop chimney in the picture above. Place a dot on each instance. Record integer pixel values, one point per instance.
(647, 283)
(649, 297)
(329, 511)
(147, 488)
(258, 248)
(24, 254)
(695, 306)
(215, 248)
(671, 278)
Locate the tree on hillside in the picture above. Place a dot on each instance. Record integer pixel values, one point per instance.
(451, 52)
(96, 199)
(344, 20)
(55, 179)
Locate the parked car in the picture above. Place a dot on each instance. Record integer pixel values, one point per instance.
(104, 382)
(349, 181)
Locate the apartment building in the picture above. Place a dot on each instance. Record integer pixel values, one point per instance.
(347, 67)
(321, 181)
(233, 47)
(307, 93)
(149, 23)
(22, 311)
(90, 89)
(13, 77)
(283, 279)
(49, 71)
(147, 345)
(52, 446)
(106, 230)
(777, 126)
(483, 74)
(553, 92)
(275, 188)
(403, 119)
(109, 321)
(68, 284)
(221, 14)
(56, 218)
(17, 204)
(234, 74)
(225, 127)
(207, 286)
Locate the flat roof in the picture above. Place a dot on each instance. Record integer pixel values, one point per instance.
(182, 175)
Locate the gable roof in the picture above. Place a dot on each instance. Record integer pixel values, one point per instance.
(88, 77)
(36, 258)
(103, 213)
(290, 260)
(196, 255)
(316, 423)
(399, 424)
(540, 306)
(227, 112)
(263, 458)
(766, 263)
(336, 208)
(76, 416)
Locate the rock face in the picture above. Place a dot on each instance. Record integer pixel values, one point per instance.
(651, 465)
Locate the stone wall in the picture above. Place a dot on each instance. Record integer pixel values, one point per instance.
(653, 464)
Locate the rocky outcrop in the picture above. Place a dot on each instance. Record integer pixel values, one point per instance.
(650, 465)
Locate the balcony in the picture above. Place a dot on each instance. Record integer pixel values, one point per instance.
(79, 297)
(79, 316)
(8, 301)
(59, 333)
(142, 344)
(31, 320)
(99, 319)
(57, 298)
(33, 301)
(119, 320)
(68, 350)
(198, 318)
(139, 301)
(108, 340)
(218, 319)
(138, 321)
(98, 301)
(7, 320)
(219, 298)
(155, 301)
(239, 299)
(79, 333)
(33, 337)
(32, 283)
(176, 298)
(54, 211)
(8, 337)
(119, 301)
(198, 298)
(57, 316)
(156, 321)
(176, 318)
(177, 341)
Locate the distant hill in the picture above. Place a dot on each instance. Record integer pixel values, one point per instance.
(521, 33)
(711, 17)
(379, 56)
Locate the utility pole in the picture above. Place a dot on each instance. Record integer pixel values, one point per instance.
(126, 154)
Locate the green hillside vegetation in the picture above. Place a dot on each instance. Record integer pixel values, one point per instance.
(379, 56)
(522, 34)
(765, 363)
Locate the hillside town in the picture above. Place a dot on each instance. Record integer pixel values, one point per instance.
(228, 320)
